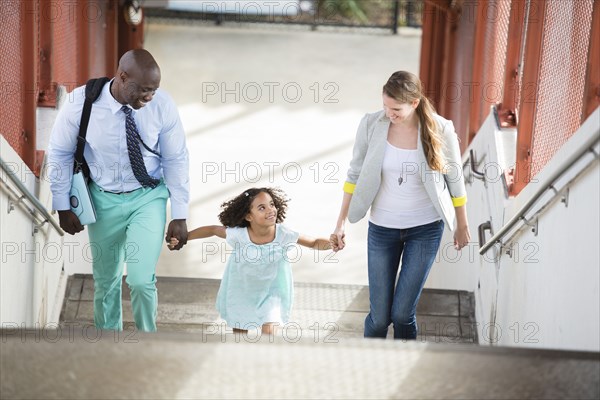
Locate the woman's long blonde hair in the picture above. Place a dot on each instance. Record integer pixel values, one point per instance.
(405, 87)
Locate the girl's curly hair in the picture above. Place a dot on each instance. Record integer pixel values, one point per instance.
(235, 210)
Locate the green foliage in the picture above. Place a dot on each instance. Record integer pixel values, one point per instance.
(353, 9)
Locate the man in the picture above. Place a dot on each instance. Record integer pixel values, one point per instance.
(138, 158)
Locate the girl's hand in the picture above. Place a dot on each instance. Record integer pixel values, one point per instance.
(333, 242)
(337, 240)
(462, 237)
(172, 243)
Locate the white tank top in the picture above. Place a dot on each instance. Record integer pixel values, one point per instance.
(402, 201)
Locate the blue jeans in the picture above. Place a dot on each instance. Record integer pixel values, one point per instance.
(393, 302)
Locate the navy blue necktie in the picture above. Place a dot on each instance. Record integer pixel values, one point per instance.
(135, 153)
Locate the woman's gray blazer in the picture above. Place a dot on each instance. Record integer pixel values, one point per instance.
(446, 191)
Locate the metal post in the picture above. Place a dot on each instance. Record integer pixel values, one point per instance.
(529, 91)
(592, 86)
(410, 14)
(130, 36)
(29, 54)
(507, 110)
(395, 17)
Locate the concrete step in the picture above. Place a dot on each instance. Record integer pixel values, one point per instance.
(194, 355)
(336, 311)
(81, 363)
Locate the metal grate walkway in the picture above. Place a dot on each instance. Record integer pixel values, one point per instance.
(334, 311)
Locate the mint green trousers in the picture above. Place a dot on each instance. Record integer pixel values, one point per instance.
(129, 228)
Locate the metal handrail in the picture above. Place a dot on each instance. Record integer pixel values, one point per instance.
(34, 201)
(546, 185)
(476, 174)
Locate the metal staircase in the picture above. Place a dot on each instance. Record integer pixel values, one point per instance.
(320, 310)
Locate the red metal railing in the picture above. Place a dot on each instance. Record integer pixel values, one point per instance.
(537, 61)
(13, 73)
(47, 43)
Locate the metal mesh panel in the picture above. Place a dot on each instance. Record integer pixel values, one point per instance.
(497, 18)
(11, 79)
(561, 85)
(519, 92)
(99, 28)
(64, 44)
(349, 13)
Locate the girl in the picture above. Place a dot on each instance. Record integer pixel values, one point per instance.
(257, 288)
(406, 167)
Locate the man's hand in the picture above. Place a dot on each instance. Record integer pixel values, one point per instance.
(69, 222)
(177, 229)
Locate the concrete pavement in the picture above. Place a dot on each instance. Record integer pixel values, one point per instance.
(275, 106)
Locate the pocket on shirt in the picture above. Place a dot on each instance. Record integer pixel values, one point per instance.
(95, 163)
(149, 135)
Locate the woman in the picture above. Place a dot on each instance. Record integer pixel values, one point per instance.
(406, 168)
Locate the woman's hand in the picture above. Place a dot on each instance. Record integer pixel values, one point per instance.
(462, 236)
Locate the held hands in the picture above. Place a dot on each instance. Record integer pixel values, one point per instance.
(69, 222)
(172, 243)
(177, 234)
(337, 240)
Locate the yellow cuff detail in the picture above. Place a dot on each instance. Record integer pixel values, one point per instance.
(459, 201)
(349, 187)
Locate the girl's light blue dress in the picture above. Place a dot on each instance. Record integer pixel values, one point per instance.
(257, 285)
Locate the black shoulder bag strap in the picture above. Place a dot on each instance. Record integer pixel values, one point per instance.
(93, 88)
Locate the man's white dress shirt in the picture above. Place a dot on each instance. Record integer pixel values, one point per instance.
(106, 150)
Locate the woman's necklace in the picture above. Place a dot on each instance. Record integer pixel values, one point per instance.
(400, 176)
